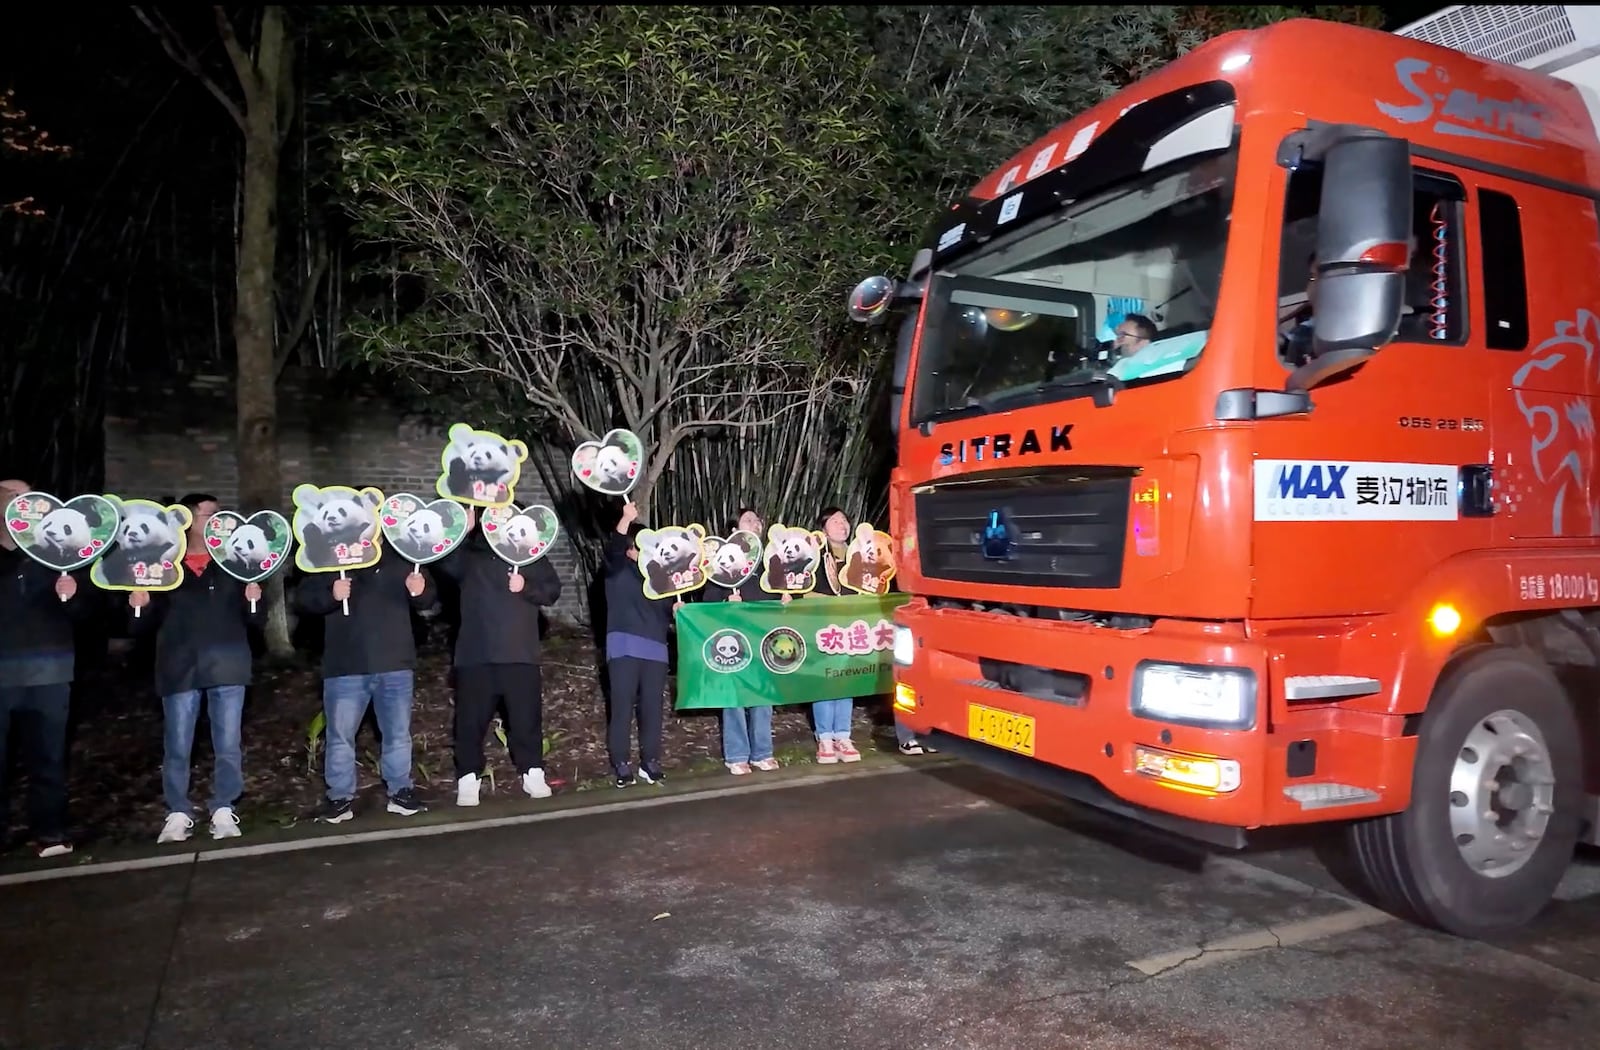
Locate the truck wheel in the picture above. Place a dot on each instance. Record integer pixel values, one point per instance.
(1495, 806)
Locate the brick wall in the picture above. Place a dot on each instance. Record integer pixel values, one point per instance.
(174, 436)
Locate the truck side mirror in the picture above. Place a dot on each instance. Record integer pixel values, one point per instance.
(874, 301)
(1363, 250)
(902, 365)
(870, 300)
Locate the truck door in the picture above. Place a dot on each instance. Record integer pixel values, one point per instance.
(1379, 454)
(1539, 247)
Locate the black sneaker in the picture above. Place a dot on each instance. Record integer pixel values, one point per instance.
(623, 779)
(652, 776)
(335, 811)
(406, 803)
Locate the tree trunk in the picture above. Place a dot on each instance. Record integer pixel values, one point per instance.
(254, 318)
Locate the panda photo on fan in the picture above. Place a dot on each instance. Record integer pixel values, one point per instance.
(611, 466)
(792, 557)
(250, 549)
(62, 534)
(520, 536)
(148, 554)
(869, 566)
(247, 549)
(480, 468)
(421, 530)
(337, 528)
(672, 560)
(730, 562)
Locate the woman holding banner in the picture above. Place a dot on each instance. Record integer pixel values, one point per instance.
(746, 731)
(832, 717)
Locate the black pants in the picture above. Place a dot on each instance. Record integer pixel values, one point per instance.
(479, 690)
(39, 715)
(636, 686)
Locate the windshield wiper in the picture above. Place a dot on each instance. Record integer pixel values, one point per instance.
(1103, 385)
(974, 407)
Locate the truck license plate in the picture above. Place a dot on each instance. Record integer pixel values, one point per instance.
(989, 725)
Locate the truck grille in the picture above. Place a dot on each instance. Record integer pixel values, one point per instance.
(1047, 529)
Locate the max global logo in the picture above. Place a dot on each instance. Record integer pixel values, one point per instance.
(1513, 121)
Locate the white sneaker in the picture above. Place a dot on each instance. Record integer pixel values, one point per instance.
(178, 828)
(533, 783)
(224, 825)
(467, 790)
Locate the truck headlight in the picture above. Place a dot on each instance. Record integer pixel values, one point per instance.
(1217, 697)
(904, 647)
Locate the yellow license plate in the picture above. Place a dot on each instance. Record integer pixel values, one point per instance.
(1000, 728)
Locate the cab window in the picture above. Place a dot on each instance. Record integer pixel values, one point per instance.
(1435, 309)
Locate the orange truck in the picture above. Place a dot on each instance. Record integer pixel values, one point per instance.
(1246, 462)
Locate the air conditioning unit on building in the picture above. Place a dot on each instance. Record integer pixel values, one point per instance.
(1557, 40)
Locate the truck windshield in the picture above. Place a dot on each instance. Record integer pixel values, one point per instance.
(1120, 288)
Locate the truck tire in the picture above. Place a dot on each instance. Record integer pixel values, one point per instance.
(1496, 798)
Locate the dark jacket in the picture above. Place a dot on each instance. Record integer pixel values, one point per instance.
(202, 638)
(36, 626)
(749, 591)
(498, 627)
(829, 570)
(628, 611)
(376, 636)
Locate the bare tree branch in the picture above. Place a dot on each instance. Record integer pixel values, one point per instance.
(243, 67)
(308, 305)
(179, 52)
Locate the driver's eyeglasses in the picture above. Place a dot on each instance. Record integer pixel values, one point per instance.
(1123, 333)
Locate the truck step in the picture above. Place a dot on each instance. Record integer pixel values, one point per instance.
(1304, 687)
(1326, 796)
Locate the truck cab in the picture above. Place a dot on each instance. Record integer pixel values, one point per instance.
(1245, 447)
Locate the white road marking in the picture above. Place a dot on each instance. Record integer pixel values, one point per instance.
(429, 830)
(1288, 935)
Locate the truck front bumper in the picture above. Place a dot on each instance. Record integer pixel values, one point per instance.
(1206, 781)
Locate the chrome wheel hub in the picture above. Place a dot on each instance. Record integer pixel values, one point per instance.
(1502, 792)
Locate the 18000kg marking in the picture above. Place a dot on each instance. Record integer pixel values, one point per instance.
(1559, 586)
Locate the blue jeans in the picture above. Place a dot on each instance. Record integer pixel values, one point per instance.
(344, 702)
(746, 734)
(902, 732)
(224, 709)
(833, 718)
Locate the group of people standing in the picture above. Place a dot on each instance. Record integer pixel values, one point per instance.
(637, 634)
(203, 656)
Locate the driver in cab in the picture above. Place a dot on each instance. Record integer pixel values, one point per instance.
(1132, 337)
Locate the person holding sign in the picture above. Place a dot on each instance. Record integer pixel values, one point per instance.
(497, 658)
(38, 609)
(832, 717)
(368, 657)
(746, 731)
(636, 654)
(202, 651)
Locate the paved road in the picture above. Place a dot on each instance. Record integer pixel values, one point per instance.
(921, 909)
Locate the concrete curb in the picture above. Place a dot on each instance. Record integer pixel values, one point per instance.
(637, 801)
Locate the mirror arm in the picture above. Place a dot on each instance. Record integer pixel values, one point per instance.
(1311, 144)
(1319, 370)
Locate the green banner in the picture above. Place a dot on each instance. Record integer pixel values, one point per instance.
(752, 654)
